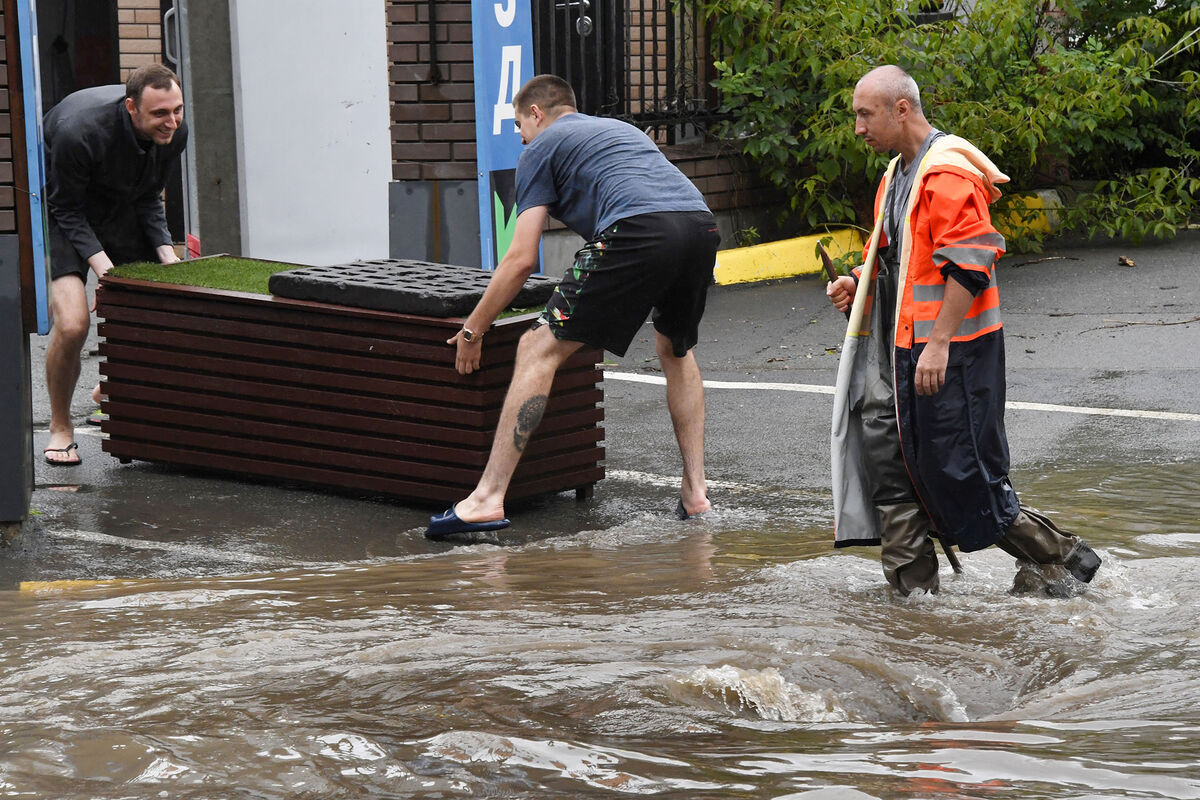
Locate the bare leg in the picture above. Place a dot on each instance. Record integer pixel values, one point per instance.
(68, 300)
(539, 355)
(685, 402)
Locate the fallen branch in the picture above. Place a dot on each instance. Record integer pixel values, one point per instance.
(1047, 258)
(1157, 322)
(1121, 323)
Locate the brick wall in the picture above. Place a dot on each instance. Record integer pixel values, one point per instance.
(8, 217)
(726, 179)
(433, 123)
(139, 28)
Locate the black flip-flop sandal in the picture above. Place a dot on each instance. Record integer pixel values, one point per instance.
(72, 446)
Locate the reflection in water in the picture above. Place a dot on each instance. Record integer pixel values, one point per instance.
(724, 657)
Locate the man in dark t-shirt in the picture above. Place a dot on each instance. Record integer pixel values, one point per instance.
(109, 150)
(651, 248)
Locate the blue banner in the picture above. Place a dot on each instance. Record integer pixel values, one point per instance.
(502, 36)
(31, 90)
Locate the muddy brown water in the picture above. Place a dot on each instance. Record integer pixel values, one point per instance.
(737, 656)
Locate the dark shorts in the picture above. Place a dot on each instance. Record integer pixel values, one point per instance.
(124, 245)
(661, 263)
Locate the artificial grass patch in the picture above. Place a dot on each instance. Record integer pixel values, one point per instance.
(516, 312)
(224, 272)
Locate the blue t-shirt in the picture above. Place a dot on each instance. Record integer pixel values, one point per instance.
(594, 171)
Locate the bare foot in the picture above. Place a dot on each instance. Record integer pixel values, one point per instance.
(699, 508)
(474, 510)
(694, 495)
(96, 395)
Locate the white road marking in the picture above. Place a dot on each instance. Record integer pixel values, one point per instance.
(725, 487)
(658, 380)
(1178, 416)
(85, 430)
(811, 388)
(672, 481)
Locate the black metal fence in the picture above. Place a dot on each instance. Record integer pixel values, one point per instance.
(645, 61)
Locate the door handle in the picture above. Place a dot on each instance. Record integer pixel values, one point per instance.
(171, 36)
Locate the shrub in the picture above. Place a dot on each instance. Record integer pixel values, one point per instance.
(1035, 85)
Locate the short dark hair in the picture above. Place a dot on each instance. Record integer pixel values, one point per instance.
(547, 92)
(156, 76)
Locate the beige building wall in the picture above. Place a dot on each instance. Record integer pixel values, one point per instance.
(139, 27)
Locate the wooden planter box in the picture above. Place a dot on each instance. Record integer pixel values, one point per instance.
(328, 395)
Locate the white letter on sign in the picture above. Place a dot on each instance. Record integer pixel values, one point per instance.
(506, 15)
(510, 73)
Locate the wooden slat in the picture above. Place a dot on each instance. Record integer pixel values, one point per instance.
(397, 379)
(423, 492)
(257, 335)
(575, 479)
(423, 443)
(551, 473)
(356, 398)
(406, 464)
(203, 354)
(118, 374)
(184, 402)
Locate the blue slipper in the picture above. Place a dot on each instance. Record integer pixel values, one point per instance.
(447, 524)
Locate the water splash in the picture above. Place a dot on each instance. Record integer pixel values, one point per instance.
(764, 693)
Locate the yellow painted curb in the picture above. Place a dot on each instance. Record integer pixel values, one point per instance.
(783, 259)
(49, 587)
(1030, 211)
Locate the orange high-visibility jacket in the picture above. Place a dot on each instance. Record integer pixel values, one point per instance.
(947, 221)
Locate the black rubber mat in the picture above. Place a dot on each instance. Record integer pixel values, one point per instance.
(402, 285)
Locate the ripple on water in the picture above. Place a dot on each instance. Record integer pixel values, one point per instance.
(606, 768)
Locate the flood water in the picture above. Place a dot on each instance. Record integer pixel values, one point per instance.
(736, 656)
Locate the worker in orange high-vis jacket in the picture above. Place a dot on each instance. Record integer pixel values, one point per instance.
(919, 448)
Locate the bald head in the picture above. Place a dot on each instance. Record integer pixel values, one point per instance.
(892, 84)
(887, 112)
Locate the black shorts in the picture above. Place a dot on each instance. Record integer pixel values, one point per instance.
(125, 245)
(660, 262)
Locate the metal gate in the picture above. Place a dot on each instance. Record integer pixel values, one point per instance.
(644, 61)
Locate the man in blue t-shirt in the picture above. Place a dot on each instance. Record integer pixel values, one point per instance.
(651, 247)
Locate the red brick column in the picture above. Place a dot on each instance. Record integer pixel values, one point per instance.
(139, 29)
(8, 217)
(433, 90)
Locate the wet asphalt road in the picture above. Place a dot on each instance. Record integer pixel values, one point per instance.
(1082, 331)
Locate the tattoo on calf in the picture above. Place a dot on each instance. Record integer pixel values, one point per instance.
(527, 421)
